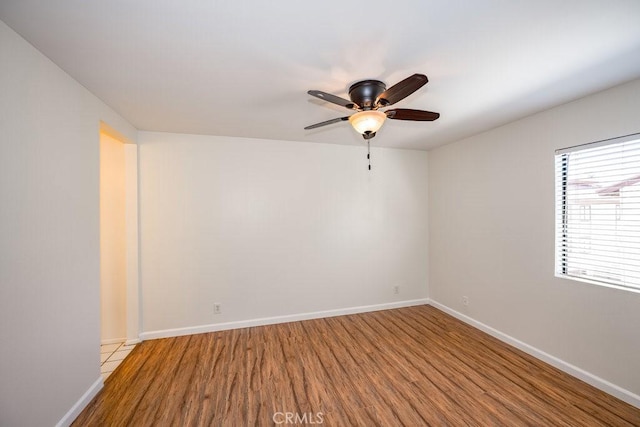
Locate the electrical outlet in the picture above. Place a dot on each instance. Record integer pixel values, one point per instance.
(396, 289)
(217, 308)
(465, 301)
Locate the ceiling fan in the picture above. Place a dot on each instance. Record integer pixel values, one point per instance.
(368, 96)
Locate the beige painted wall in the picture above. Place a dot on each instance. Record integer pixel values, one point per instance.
(113, 269)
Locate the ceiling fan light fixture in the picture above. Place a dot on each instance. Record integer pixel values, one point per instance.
(367, 122)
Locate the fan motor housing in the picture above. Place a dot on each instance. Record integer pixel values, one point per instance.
(365, 93)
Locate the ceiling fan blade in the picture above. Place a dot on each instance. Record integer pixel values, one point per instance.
(328, 122)
(333, 99)
(415, 115)
(401, 90)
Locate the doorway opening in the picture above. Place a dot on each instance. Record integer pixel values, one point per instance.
(119, 290)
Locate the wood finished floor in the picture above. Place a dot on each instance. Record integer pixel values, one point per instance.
(412, 366)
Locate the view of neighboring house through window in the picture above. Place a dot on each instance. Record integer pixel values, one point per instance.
(598, 212)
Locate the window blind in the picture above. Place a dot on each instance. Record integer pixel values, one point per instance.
(598, 212)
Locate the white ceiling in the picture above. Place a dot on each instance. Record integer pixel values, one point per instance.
(242, 68)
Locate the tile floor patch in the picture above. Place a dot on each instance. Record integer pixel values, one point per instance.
(109, 348)
(109, 366)
(119, 355)
(111, 355)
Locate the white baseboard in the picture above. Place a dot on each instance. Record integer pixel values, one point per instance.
(166, 333)
(112, 341)
(602, 384)
(75, 410)
(133, 341)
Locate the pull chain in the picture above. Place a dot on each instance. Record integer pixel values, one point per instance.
(369, 153)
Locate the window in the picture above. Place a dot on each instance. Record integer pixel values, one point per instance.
(598, 212)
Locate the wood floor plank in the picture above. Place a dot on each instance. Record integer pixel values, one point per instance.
(166, 376)
(111, 411)
(472, 369)
(413, 366)
(498, 376)
(382, 375)
(422, 366)
(195, 398)
(540, 380)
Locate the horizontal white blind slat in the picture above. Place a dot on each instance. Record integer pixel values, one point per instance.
(598, 212)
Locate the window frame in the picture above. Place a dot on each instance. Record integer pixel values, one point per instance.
(562, 207)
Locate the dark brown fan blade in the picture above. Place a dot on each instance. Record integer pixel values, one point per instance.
(328, 122)
(401, 90)
(332, 98)
(408, 114)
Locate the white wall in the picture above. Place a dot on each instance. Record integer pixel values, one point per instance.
(270, 228)
(132, 243)
(49, 235)
(491, 233)
(113, 246)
